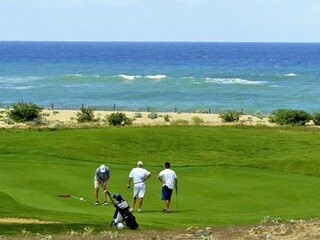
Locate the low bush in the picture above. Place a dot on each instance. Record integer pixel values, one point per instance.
(316, 119)
(85, 115)
(180, 122)
(153, 115)
(118, 119)
(205, 111)
(137, 115)
(259, 115)
(231, 116)
(166, 118)
(25, 112)
(197, 120)
(290, 116)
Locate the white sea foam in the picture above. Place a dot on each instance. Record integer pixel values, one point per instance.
(75, 75)
(16, 88)
(129, 77)
(13, 79)
(156, 76)
(233, 81)
(132, 77)
(290, 75)
(22, 87)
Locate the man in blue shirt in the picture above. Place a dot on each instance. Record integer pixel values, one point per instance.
(101, 178)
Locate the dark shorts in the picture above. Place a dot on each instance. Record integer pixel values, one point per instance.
(166, 193)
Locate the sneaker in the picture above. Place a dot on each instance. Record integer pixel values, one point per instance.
(139, 210)
(130, 210)
(96, 203)
(105, 203)
(166, 210)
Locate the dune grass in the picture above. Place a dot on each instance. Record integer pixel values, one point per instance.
(227, 174)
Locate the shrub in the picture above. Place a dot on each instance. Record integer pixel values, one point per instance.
(231, 116)
(166, 118)
(137, 115)
(153, 115)
(316, 119)
(85, 115)
(203, 111)
(180, 122)
(24, 112)
(259, 115)
(117, 119)
(197, 120)
(289, 116)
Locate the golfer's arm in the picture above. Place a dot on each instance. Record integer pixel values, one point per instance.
(129, 182)
(176, 183)
(100, 181)
(149, 175)
(160, 179)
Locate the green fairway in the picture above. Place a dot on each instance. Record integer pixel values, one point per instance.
(227, 175)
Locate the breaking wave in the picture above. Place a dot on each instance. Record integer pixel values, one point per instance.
(233, 81)
(132, 77)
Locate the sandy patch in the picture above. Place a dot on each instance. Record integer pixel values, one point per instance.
(23, 220)
(68, 118)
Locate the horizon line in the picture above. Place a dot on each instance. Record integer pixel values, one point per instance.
(101, 41)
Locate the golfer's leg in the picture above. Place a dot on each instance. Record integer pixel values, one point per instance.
(133, 202)
(97, 193)
(141, 193)
(104, 196)
(168, 204)
(140, 202)
(96, 188)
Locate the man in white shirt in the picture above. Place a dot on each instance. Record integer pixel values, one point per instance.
(138, 175)
(169, 179)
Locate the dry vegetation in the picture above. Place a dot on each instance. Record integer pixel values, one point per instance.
(268, 229)
(68, 118)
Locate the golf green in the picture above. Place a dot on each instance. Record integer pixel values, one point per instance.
(214, 188)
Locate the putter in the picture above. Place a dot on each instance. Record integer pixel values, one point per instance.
(176, 199)
(70, 196)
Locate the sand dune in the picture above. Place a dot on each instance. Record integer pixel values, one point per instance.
(68, 118)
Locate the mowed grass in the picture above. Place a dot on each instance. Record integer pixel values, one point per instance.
(227, 175)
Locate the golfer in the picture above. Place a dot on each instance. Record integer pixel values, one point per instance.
(101, 178)
(138, 175)
(169, 179)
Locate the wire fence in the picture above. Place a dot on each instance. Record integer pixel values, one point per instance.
(114, 107)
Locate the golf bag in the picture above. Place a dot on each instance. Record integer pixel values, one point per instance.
(122, 209)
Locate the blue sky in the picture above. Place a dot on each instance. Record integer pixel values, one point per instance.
(161, 20)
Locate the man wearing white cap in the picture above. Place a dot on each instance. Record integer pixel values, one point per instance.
(138, 175)
(101, 178)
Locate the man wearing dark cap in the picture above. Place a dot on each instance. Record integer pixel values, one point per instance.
(169, 180)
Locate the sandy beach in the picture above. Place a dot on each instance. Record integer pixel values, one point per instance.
(68, 118)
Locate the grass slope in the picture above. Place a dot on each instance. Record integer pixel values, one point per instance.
(227, 175)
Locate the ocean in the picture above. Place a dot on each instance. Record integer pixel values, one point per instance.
(156, 76)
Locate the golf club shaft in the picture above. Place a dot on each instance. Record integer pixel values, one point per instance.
(68, 195)
(176, 199)
(79, 198)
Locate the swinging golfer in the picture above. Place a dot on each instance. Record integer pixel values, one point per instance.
(169, 179)
(138, 175)
(101, 178)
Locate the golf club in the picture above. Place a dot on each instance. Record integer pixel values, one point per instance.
(176, 199)
(70, 196)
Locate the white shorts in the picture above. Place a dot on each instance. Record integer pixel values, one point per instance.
(139, 190)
